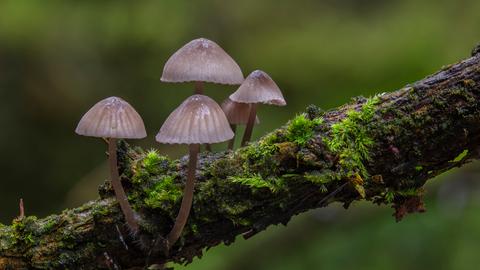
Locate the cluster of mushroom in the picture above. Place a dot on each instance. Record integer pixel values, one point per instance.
(198, 120)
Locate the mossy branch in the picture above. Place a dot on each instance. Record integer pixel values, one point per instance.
(381, 149)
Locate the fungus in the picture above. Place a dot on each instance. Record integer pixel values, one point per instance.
(258, 87)
(237, 114)
(113, 118)
(198, 120)
(202, 60)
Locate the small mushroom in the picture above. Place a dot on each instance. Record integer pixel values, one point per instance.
(237, 114)
(113, 118)
(198, 120)
(258, 87)
(202, 60)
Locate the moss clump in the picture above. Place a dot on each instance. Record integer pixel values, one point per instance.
(301, 129)
(460, 156)
(255, 182)
(389, 196)
(349, 138)
(151, 163)
(320, 178)
(164, 191)
(410, 192)
(23, 230)
(258, 157)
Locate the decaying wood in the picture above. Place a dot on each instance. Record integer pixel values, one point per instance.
(412, 135)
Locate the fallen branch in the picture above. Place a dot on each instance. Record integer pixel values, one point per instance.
(381, 149)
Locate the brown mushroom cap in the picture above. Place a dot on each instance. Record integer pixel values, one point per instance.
(258, 87)
(198, 120)
(112, 117)
(202, 60)
(237, 113)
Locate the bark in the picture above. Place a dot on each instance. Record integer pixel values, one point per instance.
(381, 149)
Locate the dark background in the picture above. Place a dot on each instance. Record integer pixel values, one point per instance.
(57, 58)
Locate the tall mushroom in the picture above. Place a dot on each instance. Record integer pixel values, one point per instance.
(198, 120)
(237, 114)
(202, 60)
(258, 87)
(113, 118)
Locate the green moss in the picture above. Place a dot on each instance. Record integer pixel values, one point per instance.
(418, 168)
(349, 138)
(164, 191)
(23, 230)
(260, 150)
(301, 129)
(469, 83)
(255, 182)
(258, 157)
(151, 164)
(410, 192)
(389, 196)
(100, 210)
(320, 178)
(460, 156)
(151, 161)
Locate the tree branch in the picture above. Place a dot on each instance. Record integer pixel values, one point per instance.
(381, 149)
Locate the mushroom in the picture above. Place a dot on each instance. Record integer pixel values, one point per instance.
(237, 114)
(202, 60)
(113, 118)
(258, 87)
(198, 120)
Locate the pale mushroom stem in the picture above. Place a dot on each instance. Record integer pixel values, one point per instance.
(187, 199)
(118, 188)
(232, 141)
(198, 88)
(251, 121)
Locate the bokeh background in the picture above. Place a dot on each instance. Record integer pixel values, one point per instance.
(58, 58)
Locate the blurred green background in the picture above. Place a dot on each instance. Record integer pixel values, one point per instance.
(58, 58)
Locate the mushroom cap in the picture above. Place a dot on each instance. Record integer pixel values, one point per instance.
(198, 120)
(258, 87)
(202, 60)
(112, 117)
(237, 113)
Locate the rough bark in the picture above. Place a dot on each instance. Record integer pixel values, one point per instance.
(381, 149)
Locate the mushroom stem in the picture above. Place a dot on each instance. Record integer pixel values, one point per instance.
(22, 209)
(232, 141)
(198, 88)
(251, 121)
(118, 188)
(187, 200)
